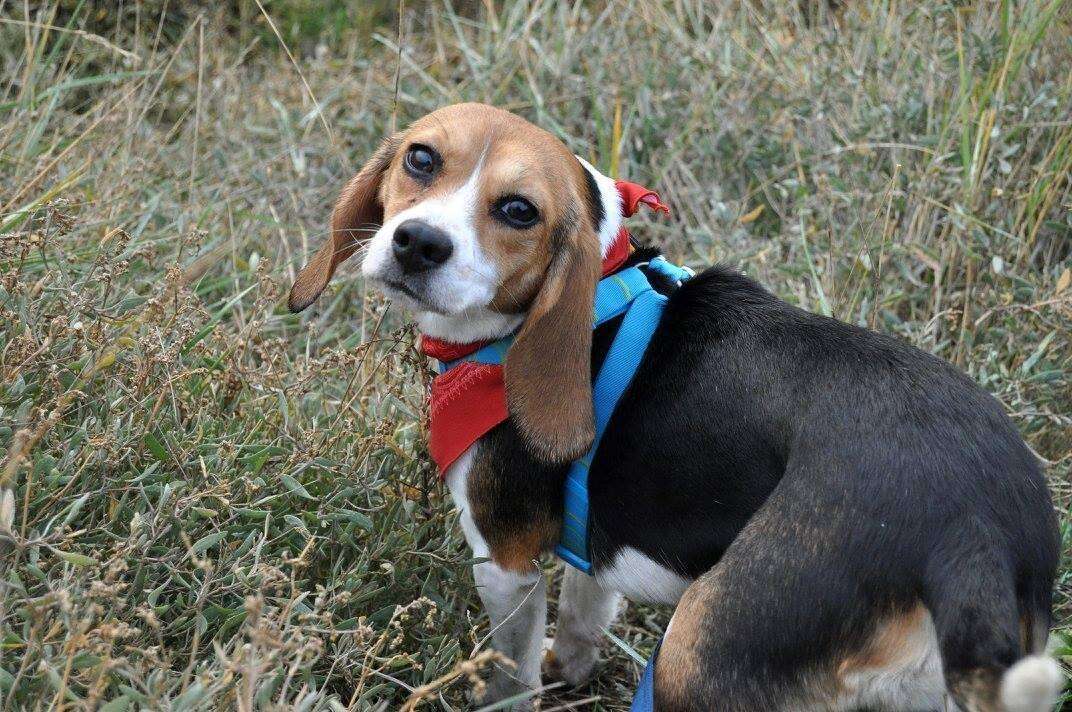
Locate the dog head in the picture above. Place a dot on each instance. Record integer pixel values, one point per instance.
(480, 222)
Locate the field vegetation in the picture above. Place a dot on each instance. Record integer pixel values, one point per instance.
(207, 502)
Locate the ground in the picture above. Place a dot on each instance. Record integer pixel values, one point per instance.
(207, 502)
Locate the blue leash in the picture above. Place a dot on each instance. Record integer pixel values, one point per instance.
(644, 699)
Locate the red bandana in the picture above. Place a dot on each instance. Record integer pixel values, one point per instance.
(470, 399)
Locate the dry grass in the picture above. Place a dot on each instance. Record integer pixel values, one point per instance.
(209, 503)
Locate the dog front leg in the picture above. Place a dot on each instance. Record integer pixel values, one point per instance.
(585, 610)
(516, 603)
(517, 606)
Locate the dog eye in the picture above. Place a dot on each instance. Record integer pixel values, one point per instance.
(421, 161)
(517, 212)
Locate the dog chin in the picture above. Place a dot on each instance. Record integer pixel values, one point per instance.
(466, 319)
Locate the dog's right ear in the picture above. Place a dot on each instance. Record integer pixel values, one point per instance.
(357, 213)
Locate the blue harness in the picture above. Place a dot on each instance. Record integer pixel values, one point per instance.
(626, 292)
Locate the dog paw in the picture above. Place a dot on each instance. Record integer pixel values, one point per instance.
(573, 664)
(530, 705)
(502, 686)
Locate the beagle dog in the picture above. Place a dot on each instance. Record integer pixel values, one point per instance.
(843, 521)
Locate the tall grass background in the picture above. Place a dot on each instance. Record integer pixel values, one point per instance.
(209, 503)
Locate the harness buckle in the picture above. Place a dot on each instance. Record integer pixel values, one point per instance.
(672, 272)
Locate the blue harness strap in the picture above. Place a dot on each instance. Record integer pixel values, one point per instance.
(644, 698)
(628, 292)
(493, 354)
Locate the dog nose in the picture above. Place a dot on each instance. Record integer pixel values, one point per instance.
(418, 246)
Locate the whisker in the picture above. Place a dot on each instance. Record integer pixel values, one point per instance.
(360, 244)
(371, 229)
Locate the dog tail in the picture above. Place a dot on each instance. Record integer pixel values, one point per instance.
(991, 633)
(1031, 685)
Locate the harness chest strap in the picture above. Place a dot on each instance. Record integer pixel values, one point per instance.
(627, 291)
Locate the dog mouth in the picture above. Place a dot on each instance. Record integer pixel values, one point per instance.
(395, 288)
(401, 287)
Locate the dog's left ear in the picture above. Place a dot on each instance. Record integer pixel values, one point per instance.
(548, 367)
(356, 214)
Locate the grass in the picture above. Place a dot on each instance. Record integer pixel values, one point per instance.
(207, 502)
